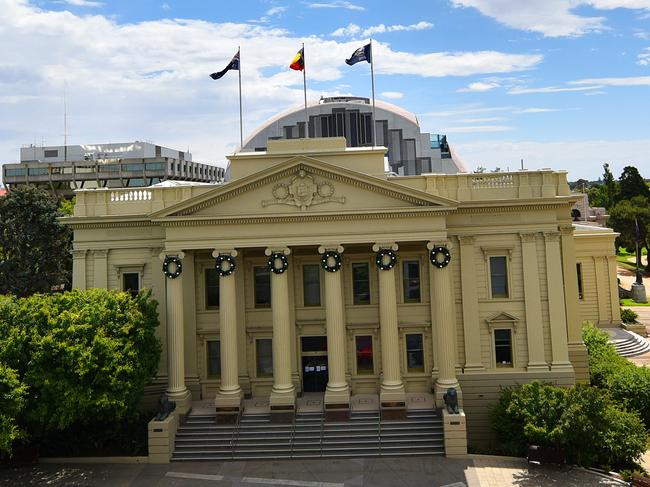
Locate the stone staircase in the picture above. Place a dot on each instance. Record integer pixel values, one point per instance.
(309, 436)
(628, 343)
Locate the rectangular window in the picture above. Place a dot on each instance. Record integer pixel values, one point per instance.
(262, 277)
(155, 166)
(213, 354)
(51, 153)
(503, 348)
(364, 355)
(414, 353)
(211, 288)
(580, 288)
(131, 283)
(411, 276)
(133, 167)
(311, 284)
(37, 171)
(264, 356)
(15, 172)
(499, 277)
(361, 283)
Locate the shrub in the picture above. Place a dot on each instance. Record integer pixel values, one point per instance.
(626, 383)
(84, 355)
(582, 420)
(12, 401)
(628, 316)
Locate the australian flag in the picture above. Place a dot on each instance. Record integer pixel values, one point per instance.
(364, 53)
(233, 64)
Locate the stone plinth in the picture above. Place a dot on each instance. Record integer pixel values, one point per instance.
(638, 293)
(161, 436)
(455, 430)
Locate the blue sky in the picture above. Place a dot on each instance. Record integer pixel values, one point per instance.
(560, 83)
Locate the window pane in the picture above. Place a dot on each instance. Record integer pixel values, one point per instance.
(211, 288)
(503, 347)
(131, 283)
(414, 353)
(311, 284)
(264, 351)
(262, 287)
(361, 283)
(364, 355)
(499, 277)
(580, 289)
(411, 274)
(214, 358)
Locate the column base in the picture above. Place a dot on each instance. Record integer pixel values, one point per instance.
(562, 367)
(392, 404)
(337, 405)
(580, 360)
(537, 366)
(439, 391)
(183, 401)
(283, 406)
(228, 407)
(469, 368)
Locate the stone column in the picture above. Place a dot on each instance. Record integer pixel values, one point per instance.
(228, 400)
(612, 277)
(533, 303)
(337, 394)
(176, 390)
(602, 290)
(101, 269)
(471, 327)
(556, 310)
(577, 349)
(392, 396)
(283, 394)
(442, 315)
(79, 269)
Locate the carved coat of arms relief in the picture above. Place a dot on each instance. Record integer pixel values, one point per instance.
(303, 191)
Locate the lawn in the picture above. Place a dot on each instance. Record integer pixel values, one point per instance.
(629, 302)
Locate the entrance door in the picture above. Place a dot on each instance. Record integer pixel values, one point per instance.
(314, 373)
(314, 363)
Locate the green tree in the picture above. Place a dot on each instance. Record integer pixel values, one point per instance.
(631, 184)
(35, 248)
(622, 219)
(609, 183)
(12, 395)
(83, 355)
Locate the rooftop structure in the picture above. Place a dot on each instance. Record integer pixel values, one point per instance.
(62, 169)
(410, 151)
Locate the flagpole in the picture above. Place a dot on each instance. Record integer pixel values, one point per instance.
(304, 84)
(241, 124)
(374, 113)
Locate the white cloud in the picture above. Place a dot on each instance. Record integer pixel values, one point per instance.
(583, 159)
(642, 35)
(81, 3)
(538, 110)
(149, 80)
(479, 86)
(482, 119)
(551, 18)
(393, 95)
(643, 58)
(166, 6)
(334, 4)
(623, 81)
(552, 89)
(353, 30)
(466, 129)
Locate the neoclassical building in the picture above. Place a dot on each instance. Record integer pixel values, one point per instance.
(314, 270)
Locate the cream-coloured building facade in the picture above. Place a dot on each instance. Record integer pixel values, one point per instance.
(470, 281)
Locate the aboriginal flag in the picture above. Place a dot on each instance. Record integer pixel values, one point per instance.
(298, 61)
(233, 64)
(364, 53)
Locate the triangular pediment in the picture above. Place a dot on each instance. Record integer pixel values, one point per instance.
(502, 317)
(302, 185)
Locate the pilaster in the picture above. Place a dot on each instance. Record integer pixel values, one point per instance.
(613, 290)
(471, 326)
(533, 303)
(79, 269)
(101, 269)
(602, 289)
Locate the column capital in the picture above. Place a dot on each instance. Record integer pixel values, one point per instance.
(528, 237)
(271, 250)
(432, 244)
(231, 252)
(552, 236)
(328, 247)
(385, 245)
(466, 239)
(566, 230)
(100, 252)
(79, 254)
(164, 254)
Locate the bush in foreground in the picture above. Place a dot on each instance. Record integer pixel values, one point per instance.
(583, 421)
(83, 356)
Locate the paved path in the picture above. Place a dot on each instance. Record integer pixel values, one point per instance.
(376, 472)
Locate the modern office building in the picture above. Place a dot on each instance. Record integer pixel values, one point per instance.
(409, 150)
(63, 169)
(315, 305)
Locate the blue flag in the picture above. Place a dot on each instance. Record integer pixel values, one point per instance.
(364, 53)
(233, 64)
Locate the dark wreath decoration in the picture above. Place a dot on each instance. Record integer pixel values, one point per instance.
(326, 258)
(440, 251)
(379, 259)
(219, 265)
(271, 262)
(172, 260)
